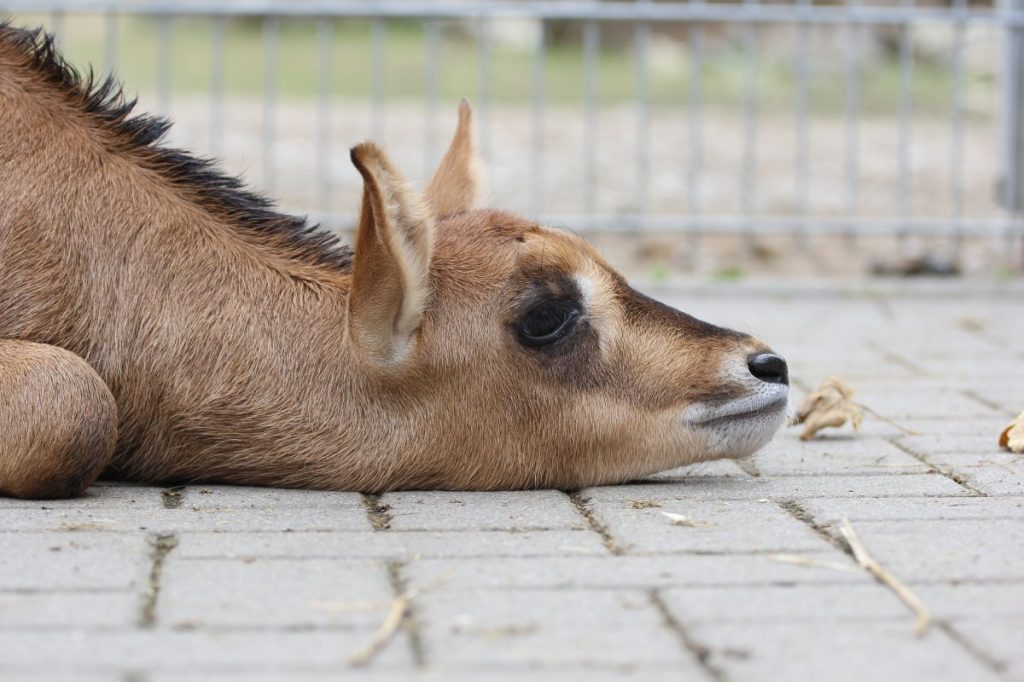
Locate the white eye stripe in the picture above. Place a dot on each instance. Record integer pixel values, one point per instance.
(586, 287)
(599, 310)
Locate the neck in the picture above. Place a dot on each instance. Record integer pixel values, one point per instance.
(219, 330)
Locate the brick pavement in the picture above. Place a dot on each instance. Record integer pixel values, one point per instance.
(213, 583)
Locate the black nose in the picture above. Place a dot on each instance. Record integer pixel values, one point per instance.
(769, 368)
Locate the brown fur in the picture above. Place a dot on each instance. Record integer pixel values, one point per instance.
(243, 346)
(60, 421)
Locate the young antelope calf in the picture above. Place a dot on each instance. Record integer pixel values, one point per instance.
(161, 324)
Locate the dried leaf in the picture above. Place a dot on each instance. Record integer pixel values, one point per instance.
(683, 520)
(831, 405)
(1012, 437)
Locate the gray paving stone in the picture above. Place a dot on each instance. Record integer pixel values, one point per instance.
(945, 426)
(122, 507)
(630, 571)
(252, 509)
(63, 610)
(897, 403)
(539, 629)
(978, 374)
(90, 651)
(293, 675)
(78, 561)
(839, 651)
(771, 604)
(217, 497)
(90, 519)
(980, 441)
(394, 545)
(102, 496)
(641, 525)
(954, 601)
(838, 455)
(76, 677)
(161, 520)
(833, 510)
(674, 487)
(947, 550)
(1000, 640)
(274, 593)
(812, 372)
(506, 673)
(993, 473)
(1004, 392)
(522, 510)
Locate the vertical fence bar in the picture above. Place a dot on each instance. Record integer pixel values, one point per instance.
(57, 26)
(852, 118)
(378, 82)
(217, 84)
(642, 40)
(271, 29)
(956, 146)
(537, 104)
(591, 52)
(803, 130)
(748, 197)
(695, 160)
(325, 40)
(432, 48)
(163, 64)
(485, 74)
(111, 38)
(906, 103)
(1012, 138)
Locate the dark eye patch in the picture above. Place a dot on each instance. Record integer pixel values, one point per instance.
(547, 322)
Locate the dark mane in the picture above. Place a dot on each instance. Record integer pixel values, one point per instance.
(208, 186)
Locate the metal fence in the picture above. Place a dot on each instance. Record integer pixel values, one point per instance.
(682, 174)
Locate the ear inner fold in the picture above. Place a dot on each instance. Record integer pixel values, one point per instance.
(390, 279)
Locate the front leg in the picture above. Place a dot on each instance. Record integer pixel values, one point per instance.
(58, 421)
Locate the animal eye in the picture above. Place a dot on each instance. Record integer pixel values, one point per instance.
(548, 322)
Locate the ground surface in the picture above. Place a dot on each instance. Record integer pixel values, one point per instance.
(211, 583)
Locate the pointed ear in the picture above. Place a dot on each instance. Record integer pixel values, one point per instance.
(390, 273)
(456, 183)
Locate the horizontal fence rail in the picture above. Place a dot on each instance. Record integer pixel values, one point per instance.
(691, 120)
(550, 10)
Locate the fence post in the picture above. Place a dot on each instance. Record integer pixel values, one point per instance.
(1012, 139)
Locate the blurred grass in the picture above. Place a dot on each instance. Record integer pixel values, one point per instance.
(724, 73)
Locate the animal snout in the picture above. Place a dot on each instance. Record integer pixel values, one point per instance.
(769, 368)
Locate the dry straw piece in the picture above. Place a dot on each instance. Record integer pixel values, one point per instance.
(396, 616)
(810, 562)
(860, 553)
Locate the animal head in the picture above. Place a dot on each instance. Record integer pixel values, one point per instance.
(516, 356)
